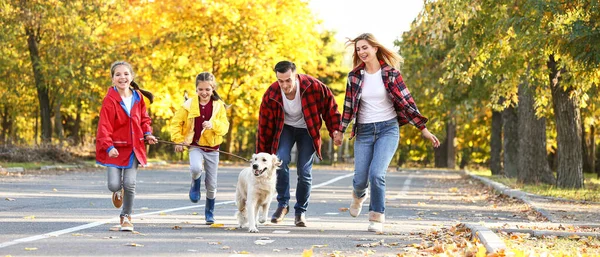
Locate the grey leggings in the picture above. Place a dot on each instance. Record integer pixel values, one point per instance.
(207, 161)
(126, 178)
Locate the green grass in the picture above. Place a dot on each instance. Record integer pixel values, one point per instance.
(590, 192)
(25, 165)
(551, 246)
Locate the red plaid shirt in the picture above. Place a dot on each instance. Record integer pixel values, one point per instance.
(318, 104)
(405, 106)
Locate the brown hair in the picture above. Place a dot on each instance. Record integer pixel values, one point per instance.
(133, 84)
(210, 78)
(388, 56)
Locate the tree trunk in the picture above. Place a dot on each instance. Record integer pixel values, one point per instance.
(77, 126)
(58, 127)
(568, 136)
(532, 164)
(451, 152)
(586, 149)
(511, 142)
(40, 83)
(440, 153)
(496, 143)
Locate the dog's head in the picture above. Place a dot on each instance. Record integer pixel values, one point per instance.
(264, 162)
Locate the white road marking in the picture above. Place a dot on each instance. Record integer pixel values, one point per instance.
(406, 186)
(102, 222)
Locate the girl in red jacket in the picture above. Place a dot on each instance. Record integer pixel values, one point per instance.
(123, 126)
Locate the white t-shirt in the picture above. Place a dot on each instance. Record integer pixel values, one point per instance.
(375, 104)
(293, 110)
(128, 102)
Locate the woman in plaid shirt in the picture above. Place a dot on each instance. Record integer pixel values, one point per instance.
(379, 102)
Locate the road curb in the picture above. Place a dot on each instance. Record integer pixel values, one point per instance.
(542, 233)
(492, 242)
(515, 193)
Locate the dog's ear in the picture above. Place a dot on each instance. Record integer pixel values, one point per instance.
(276, 161)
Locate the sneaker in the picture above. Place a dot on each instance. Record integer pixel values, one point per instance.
(126, 224)
(376, 220)
(117, 198)
(279, 214)
(376, 227)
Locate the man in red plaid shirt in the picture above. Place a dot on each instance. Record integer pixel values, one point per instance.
(292, 111)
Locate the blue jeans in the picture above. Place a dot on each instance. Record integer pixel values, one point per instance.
(299, 136)
(374, 148)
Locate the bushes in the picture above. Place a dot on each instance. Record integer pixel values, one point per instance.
(50, 153)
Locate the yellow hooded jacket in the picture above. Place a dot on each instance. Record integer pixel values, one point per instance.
(182, 124)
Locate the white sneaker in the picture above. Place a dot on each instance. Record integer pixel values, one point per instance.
(126, 223)
(376, 227)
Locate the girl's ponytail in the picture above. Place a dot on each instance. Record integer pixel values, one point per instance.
(146, 93)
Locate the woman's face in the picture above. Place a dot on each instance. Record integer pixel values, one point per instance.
(122, 77)
(366, 52)
(204, 90)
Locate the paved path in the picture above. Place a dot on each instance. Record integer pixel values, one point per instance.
(70, 214)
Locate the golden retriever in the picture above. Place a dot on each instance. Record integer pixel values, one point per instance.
(255, 190)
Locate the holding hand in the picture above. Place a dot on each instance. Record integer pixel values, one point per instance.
(426, 134)
(151, 139)
(178, 148)
(338, 138)
(207, 125)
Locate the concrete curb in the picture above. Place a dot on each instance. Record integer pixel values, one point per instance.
(515, 193)
(541, 233)
(492, 242)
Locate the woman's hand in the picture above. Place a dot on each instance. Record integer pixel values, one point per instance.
(426, 134)
(178, 148)
(207, 125)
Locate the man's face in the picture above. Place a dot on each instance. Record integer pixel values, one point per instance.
(287, 81)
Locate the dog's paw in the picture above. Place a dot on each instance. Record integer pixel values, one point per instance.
(253, 230)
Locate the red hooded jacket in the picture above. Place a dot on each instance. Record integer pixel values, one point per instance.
(118, 129)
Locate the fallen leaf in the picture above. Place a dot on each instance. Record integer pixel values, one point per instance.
(31, 249)
(225, 248)
(134, 245)
(54, 189)
(343, 209)
(29, 217)
(307, 253)
(453, 190)
(194, 213)
(319, 246)
(176, 227)
(9, 199)
(217, 225)
(214, 243)
(230, 228)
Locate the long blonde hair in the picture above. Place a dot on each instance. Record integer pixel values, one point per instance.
(388, 56)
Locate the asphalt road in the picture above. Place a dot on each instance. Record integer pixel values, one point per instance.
(71, 215)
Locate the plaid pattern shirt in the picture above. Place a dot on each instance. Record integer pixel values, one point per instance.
(404, 105)
(318, 104)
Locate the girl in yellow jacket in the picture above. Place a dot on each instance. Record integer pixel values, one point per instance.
(202, 121)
